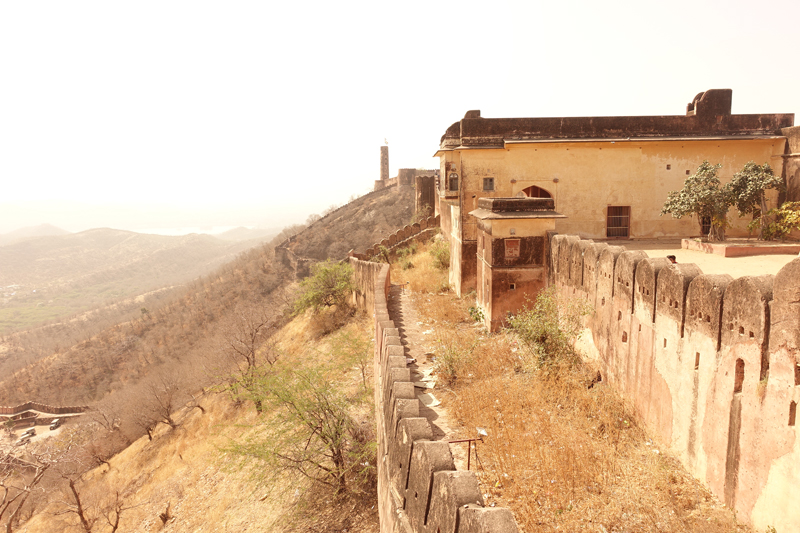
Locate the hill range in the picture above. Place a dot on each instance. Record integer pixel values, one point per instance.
(51, 276)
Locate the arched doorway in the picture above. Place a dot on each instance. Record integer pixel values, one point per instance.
(536, 192)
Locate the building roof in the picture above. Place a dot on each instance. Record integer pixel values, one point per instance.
(515, 208)
(708, 117)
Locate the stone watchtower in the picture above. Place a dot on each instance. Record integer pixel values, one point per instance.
(512, 253)
(384, 178)
(384, 163)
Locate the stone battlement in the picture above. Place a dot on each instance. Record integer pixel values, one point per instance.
(710, 363)
(419, 489)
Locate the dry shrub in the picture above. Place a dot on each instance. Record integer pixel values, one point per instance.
(454, 353)
(424, 278)
(564, 451)
(563, 455)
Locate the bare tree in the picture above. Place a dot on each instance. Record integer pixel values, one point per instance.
(163, 397)
(246, 346)
(18, 479)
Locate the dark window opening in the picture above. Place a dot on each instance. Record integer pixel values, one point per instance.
(705, 225)
(618, 222)
(697, 360)
(453, 184)
(792, 413)
(536, 192)
(739, 379)
(488, 184)
(624, 336)
(796, 374)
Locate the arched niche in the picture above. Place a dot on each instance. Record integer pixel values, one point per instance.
(536, 192)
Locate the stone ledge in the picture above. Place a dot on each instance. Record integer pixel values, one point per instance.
(741, 248)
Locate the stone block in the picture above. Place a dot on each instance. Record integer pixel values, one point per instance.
(785, 320)
(644, 298)
(704, 305)
(408, 431)
(624, 274)
(427, 458)
(672, 287)
(474, 519)
(745, 310)
(451, 490)
(402, 409)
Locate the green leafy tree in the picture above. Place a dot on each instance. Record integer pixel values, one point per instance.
(311, 430)
(330, 284)
(703, 196)
(748, 190)
(785, 220)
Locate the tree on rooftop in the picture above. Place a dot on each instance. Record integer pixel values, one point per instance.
(748, 190)
(703, 196)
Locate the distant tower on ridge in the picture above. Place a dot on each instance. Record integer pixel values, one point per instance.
(384, 163)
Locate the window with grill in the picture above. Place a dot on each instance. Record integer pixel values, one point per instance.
(453, 181)
(488, 184)
(618, 223)
(705, 226)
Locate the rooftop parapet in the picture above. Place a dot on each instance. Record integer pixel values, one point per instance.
(708, 115)
(515, 208)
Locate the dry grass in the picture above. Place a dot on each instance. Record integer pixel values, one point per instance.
(561, 454)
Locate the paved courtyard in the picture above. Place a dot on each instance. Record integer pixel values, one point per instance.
(711, 263)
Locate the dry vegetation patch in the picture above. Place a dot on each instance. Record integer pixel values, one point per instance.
(187, 478)
(563, 451)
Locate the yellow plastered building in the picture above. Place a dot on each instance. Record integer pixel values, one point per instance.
(609, 176)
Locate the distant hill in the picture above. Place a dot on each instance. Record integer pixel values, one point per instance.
(244, 234)
(42, 230)
(44, 278)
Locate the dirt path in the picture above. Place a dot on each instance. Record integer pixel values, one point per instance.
(417, 339)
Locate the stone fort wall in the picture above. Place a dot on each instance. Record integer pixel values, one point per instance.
(419, 489)
(709, 362)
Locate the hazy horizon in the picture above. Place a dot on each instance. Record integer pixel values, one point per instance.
(75, 218)
(194, 114)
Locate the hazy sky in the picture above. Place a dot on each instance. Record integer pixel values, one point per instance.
(148, 114)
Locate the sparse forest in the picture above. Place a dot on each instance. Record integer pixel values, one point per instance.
(149, 366)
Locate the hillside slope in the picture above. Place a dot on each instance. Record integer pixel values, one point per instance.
(356, 225)
(50, 277)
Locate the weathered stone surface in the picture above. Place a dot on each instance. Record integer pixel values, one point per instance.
(565, 258)
(576, 262)
(402, 409)
(745, 310)
(704, 305)
(671, 288)
(606, 262)
(644, 299)
(409, 430)
(451, 490)
(624, 274)
(785, 329)
(426, 459)
(476, 519)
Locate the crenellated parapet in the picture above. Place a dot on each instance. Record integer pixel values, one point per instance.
(709, 362)
(401, 238)
(419, 488)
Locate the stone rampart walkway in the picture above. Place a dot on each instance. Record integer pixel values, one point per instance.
(419, 346)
